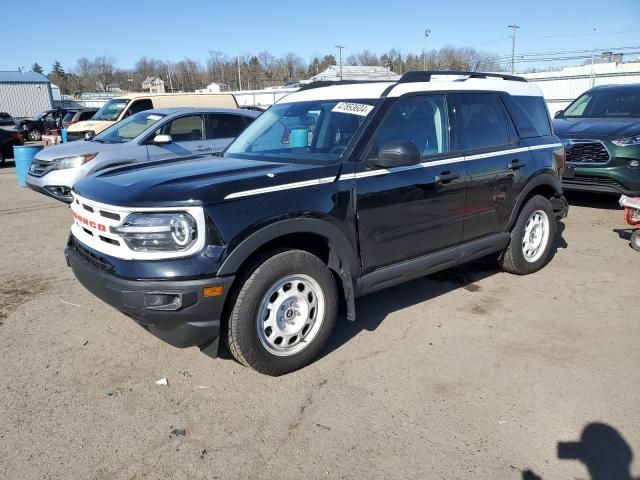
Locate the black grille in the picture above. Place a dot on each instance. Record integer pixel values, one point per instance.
(93, 259)
(38, 168)
(587, 152)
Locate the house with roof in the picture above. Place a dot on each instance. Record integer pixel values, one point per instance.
(24, 94)
(355, 72)
(153, 84)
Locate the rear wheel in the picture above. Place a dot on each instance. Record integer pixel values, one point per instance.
(283, 312)
(532, 238)
(635, 240)
(34, 135)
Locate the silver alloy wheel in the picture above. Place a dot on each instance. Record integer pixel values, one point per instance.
(536, 236)
(290, 315)
(34, 135)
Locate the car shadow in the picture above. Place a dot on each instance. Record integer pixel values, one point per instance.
(603, 451)
(593, 200)
(373, 309)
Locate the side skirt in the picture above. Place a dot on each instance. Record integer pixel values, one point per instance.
(434, 262)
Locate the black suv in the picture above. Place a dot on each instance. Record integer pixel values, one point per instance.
(332, 193)
(601, 132)
(33, 128)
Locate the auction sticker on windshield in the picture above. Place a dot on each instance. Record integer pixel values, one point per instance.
(361, 109)
(154, 118)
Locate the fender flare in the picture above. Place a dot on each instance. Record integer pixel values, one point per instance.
(338, 243)
(543, 179)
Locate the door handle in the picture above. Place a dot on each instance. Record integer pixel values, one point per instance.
(446, 177)
(515, 164)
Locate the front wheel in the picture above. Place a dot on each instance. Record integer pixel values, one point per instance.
(34, 135)
(532, 238)
(283, 312)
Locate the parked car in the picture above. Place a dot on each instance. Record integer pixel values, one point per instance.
(120, 108)
(601, 132)
(33, 129)
(80, 115)
(332, 193)
(158, 134)
(6, 119)
(8, 138)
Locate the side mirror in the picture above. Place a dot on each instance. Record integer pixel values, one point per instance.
(89, 135)
(162, 139)
(396, 154)
(558, 114)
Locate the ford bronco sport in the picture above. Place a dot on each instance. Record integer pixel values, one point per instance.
(333, 193)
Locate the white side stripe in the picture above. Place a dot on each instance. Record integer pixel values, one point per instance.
(385, 171)
(276, 188)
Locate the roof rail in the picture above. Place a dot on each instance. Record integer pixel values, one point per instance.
(425, 76)
(330, 83)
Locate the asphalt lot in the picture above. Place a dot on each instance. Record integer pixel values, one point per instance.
(467, 374)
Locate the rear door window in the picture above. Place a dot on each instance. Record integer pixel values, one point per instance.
(482, 122)
(140, 106)
(224, 126)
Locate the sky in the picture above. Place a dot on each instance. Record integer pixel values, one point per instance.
(174, 30)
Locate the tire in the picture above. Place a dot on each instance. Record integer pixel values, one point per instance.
(34, 135)
(635, 240)
(302, 315)
(532, 238)
(3, 157)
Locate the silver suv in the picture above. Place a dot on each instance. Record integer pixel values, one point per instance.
(145, 136)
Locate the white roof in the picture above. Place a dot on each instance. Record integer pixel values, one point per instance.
(375, 90)
(356, 72)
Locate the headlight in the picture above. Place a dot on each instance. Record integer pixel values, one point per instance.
(627, 141)
(152, 232)
(73, 162)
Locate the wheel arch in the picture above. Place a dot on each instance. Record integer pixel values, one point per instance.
(545, 184)
(313, 235)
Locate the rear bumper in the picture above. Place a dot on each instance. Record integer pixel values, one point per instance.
(73, 136)
(195, 322)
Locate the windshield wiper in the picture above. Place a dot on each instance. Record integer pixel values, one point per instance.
(217, 154)
(98, 140)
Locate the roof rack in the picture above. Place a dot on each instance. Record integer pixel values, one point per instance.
(330, 83)
(425, 76)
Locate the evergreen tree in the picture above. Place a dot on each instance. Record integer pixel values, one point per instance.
(36, 68)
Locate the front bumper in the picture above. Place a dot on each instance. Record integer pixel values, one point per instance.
(611, 180)
(56, 183)
(196, 322)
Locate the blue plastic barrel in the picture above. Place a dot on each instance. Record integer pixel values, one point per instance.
(63, 134)
(23, 155)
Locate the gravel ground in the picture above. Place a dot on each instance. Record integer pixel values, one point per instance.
(471, 373)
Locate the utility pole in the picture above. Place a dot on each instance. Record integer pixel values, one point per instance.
(340, 47)
(513, 47)
(427, 32)
(239, 79)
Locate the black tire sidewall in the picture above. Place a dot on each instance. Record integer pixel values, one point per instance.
(517, 233)
(256, 286)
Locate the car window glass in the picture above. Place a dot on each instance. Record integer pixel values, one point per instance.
(69, 116)
(184, 129)
(422, 120)
(140, 106)
(224, 126)
(86, 115)
(482, 121)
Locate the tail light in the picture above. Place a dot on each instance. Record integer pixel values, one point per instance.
(71, 122)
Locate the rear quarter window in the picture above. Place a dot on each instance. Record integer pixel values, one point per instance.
(530, 115)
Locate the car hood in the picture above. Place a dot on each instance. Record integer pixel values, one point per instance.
(86, 125)
(193, 180)
(80, 147)
(600, 128)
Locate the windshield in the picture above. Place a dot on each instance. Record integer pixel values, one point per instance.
(621, 103)
(128, 129)
(318, 131)
(111, 110)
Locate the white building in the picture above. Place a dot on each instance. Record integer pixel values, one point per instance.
(153, 84)
(211, 88)
(561, 87)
